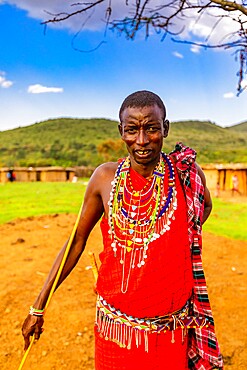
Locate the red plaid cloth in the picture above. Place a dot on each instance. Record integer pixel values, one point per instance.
(204, 353)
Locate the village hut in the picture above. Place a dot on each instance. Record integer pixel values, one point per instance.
(53, 174)
(44, 174)
(217, 175)
(220, 175)
(84, 171)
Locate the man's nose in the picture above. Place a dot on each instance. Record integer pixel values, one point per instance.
(142, 137)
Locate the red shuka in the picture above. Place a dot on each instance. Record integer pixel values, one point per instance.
(161, 286)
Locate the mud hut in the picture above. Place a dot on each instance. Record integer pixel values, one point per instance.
(44, 174)
(222, 174)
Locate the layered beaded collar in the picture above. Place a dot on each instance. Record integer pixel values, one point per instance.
(137, 217)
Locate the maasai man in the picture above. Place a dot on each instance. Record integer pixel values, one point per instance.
(153, 310)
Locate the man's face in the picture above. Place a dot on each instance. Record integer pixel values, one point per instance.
(143, 130)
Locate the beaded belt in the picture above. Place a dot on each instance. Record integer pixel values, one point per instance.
(118, 327)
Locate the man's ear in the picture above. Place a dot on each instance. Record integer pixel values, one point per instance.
(166, 125)
(120, 128)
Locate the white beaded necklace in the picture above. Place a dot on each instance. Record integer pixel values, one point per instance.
(137, 218)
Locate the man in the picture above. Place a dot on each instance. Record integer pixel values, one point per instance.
(152, 308)
(235, 184)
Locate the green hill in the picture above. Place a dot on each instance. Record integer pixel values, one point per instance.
(214, 144)
(62, 142)
(76, 142)
(241, 127)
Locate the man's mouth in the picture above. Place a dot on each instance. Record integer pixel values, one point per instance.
(142, 152)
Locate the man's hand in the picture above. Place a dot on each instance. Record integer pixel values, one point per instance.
(32, 326)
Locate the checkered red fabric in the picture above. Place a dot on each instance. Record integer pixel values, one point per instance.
(203, 350)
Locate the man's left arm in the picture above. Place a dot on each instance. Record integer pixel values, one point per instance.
(207, 197)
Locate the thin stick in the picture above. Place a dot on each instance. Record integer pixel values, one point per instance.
(66, 252)
(93, 265)
(26, 353)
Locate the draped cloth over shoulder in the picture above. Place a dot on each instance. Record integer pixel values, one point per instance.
(203, 349)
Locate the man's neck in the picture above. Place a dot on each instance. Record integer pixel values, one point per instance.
(144, 170)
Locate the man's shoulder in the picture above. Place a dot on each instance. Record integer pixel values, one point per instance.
(102, 177)
(105, 171)
(107, 168)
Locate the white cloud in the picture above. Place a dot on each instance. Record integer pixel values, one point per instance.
(244, 84)
(93, 20)
(4, 83)
(39, 89)
(195, 49)
(213, 27)
(229, 95)
(200, 29)
(194, 28)
(178, 55)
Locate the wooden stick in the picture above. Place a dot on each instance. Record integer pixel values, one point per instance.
(66, 252)
(94, 265)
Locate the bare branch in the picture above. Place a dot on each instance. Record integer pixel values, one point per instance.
(230, 6)
(171, 18)
(60, 17)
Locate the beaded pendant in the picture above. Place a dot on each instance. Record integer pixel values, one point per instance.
(136, 218)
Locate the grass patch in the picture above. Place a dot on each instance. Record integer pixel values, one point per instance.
(228, 219)
(21, 200)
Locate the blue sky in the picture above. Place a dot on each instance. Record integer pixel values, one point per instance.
(42, 76)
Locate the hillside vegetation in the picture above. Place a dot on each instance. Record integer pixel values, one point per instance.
(241, 127)
(89, 142)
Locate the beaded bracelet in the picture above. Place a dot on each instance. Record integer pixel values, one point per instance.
(35, 312)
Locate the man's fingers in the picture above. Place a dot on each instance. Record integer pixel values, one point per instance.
(26, 342)
(32, 326)
(36, 336)
(37, 332)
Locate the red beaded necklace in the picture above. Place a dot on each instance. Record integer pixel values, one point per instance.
(138, 217)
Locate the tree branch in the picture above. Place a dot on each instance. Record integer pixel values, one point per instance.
(167, 18)
(230, 6)
(60, 17)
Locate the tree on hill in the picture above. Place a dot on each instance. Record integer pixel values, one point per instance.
(110, 149)
(90, 142)
(218, 24)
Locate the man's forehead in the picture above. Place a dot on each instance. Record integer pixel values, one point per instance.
(147, 110)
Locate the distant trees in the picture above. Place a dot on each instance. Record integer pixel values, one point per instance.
(219, 24)
(90, 142)
(110, 150)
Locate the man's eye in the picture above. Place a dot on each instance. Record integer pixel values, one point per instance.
(131, 130)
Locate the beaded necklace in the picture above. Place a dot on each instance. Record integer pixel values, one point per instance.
(136, 218)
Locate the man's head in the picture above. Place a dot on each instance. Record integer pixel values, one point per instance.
(142, 99)
(143, 127)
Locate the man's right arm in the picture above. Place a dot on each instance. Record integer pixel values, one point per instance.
(91, 212)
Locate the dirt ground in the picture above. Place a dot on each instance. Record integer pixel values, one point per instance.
(27, 250)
